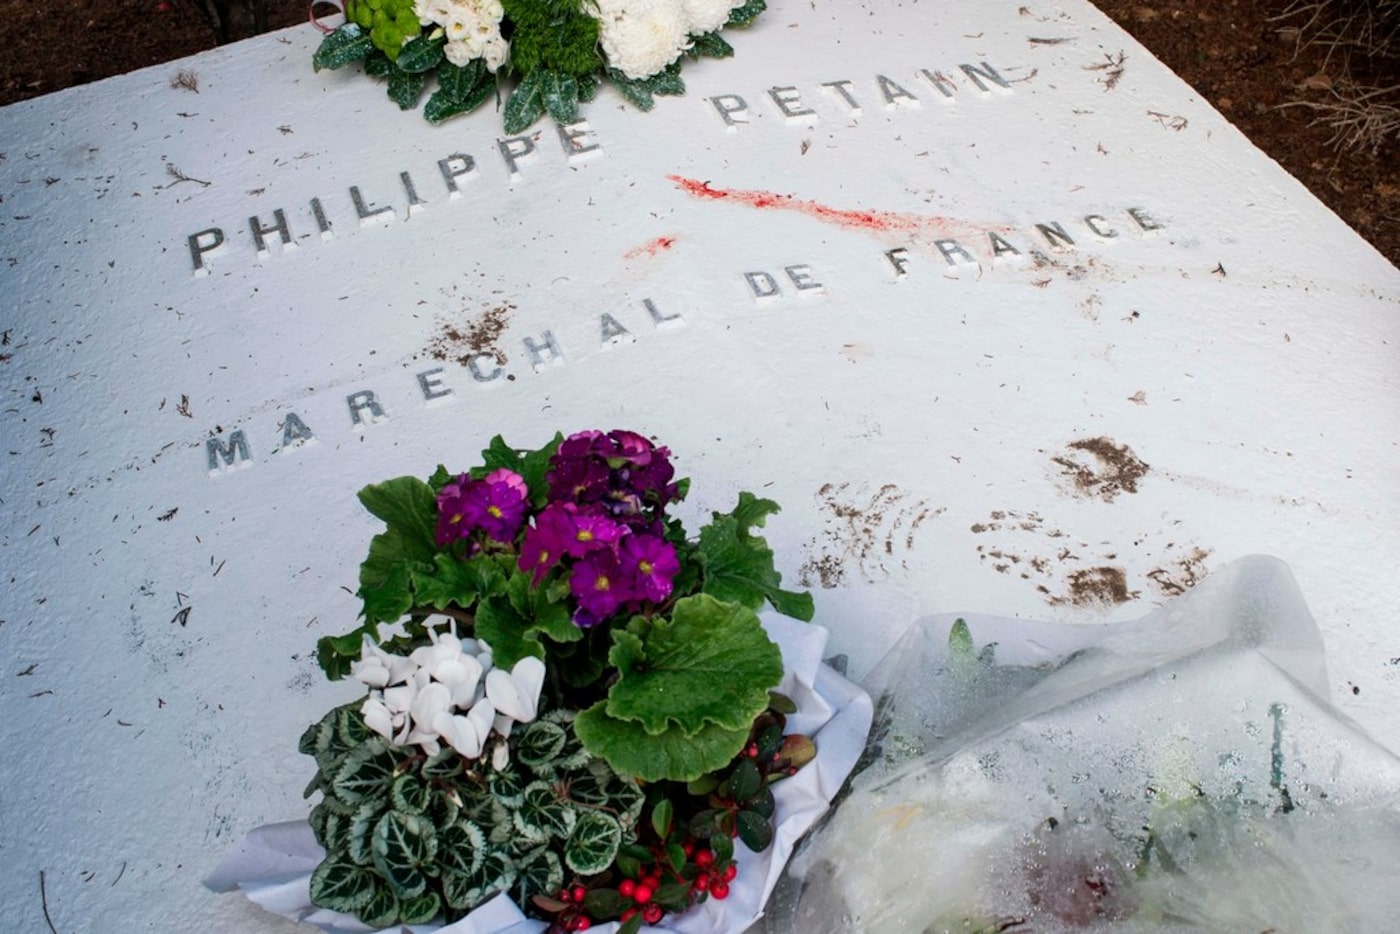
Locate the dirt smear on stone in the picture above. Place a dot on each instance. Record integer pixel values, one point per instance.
(461, 342)
(1101, 585)
(1101, 467)
(865, 529)
(1182, 574)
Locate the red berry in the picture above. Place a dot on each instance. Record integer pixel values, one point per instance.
(653, 881)
(626, 887)
(642, 894)
(628, 915)
(730, 872)
(752, 751)
(581, 923)
(565, 895)
(579, 893)
(720, 890)
(705, 859)
(652, 914)
(701, 883)
(688, 847)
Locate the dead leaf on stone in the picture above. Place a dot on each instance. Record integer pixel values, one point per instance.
(1138, 398)
(1318, 82)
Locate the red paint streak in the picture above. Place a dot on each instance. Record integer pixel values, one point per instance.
(651, 247)
(881, 221)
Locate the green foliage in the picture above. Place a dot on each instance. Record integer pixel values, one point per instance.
(709, 45)
(738, 565)
(407, 834)
(347, 44)
(556, 37)
(746, 14)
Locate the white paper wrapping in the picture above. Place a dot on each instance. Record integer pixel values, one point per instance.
(273, 864)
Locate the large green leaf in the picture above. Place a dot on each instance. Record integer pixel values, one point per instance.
(450, 99)
(512, 622)
(672, 756)
(593, 845)
(406, 87)
(739, 564)
(347, 44)
(526, 103)
(561, 96)
(457, 81)
(409, 509)
(421, 53)
(709, 664)
(457, 581)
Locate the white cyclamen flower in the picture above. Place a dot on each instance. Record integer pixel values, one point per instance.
(438, 695)
(641, 37)
(517, 694)
(377, 668)
(467, 734)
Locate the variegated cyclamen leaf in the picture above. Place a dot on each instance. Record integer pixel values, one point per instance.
(593, 845)
(446, 763)
(350, 727)
(539, 871)
(538, 743)
(337, 832)
(340, 885)
(403, 844)
(443, 809)
(542, 810)
(382, 909)
(507, 788)
(461, 848)
(464, 892)
(366, 772)
(362, 824)
(409, 794)
(627, 799)
(420, 910)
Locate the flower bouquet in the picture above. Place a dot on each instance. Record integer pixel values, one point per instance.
(559, 51)
(570, 701)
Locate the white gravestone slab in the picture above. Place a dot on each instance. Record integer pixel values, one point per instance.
(1004, 315)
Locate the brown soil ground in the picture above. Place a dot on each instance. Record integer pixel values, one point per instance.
(1245, 56)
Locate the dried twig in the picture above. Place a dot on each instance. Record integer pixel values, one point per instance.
(44, 900)
(174, 172)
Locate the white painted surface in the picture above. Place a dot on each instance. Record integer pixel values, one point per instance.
(1264, 396)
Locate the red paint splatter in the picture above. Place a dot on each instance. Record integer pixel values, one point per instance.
(881, 221)
(650, 248)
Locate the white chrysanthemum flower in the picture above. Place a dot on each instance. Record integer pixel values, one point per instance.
(641, 37)
(704, 16)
